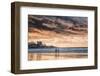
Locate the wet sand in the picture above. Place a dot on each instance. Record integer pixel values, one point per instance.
(55, 56)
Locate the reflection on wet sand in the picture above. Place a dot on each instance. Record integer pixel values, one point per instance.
(55, 56)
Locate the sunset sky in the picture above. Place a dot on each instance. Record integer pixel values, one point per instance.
(58, 31)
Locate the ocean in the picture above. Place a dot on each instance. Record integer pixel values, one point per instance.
(60, 50)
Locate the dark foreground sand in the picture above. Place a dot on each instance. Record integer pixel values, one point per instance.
(55, 56)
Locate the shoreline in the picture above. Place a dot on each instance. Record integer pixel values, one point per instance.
(55, 56)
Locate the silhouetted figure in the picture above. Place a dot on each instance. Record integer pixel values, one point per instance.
(57, 52)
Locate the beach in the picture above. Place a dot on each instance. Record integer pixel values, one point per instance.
(55, 56)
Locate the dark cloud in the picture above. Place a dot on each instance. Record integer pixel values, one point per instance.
(58, 24)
